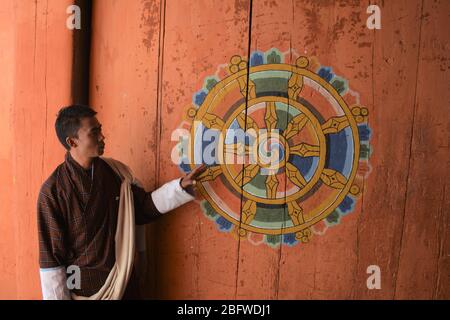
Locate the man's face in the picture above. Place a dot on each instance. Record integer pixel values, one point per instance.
(90, 141)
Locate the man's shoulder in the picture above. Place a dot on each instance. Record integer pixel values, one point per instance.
(111, 161)
(52, 183)
(119, 168)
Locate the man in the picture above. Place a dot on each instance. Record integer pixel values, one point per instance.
(87, 210)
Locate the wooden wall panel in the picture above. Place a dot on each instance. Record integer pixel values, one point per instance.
(149, 58)
(194, 259)
(124, 76)
(36, 52)
(259, 265)
(423, 258)
(324, 268)
(7, 222)
(394, 58)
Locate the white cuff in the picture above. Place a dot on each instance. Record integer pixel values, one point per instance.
(170, 196)
(54, 284)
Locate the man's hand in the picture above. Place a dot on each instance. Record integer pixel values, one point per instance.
(189, 180)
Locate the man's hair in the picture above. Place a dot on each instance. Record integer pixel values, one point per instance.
(68, 121)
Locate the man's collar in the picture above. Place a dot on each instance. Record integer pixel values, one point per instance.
(75, 165)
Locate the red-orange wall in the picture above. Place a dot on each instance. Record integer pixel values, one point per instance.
(149, 57)
(35, 64)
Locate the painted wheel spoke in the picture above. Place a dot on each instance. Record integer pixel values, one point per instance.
(305, 150)
(238, 149)
(270, 117)
(236, 153)
(296, 213)
(295, 86)
(271, 186)
(248, 211)
(333, 179)
(249, 172)
(210, 174)
(335, 124)
(294, 175)
(212, 121)
(295, 126)
(251, 124)
(243, 86)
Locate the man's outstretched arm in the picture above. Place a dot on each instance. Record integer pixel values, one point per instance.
(173, 194)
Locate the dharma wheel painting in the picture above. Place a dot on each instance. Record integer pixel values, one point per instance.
(286, 143)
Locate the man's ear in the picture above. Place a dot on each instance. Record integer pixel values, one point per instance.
(71, 142)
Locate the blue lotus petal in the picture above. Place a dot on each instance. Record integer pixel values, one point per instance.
(223, 224)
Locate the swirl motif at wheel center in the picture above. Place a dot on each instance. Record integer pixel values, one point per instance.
(298, 162)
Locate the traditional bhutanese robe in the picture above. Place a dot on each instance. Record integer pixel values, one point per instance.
(77, 219)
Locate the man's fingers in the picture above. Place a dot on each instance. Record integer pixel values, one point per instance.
(197, 171)
(202, 168)
(189, 179)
